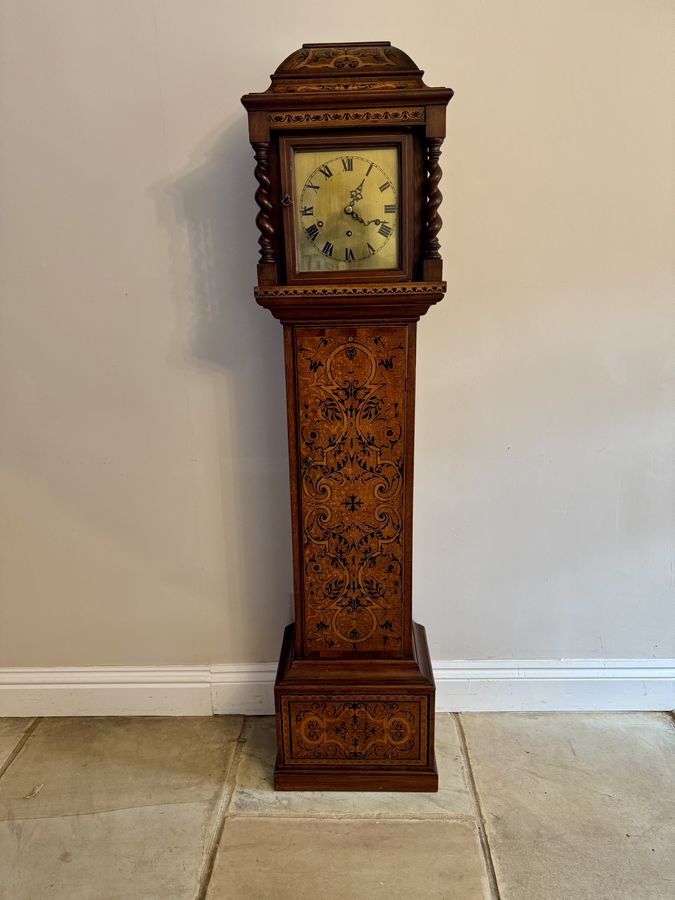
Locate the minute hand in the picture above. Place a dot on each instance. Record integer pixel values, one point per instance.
(352, 212)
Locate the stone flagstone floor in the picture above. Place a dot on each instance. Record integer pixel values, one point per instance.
(531, 806)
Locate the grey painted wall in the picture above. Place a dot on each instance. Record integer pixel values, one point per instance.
(144, 489)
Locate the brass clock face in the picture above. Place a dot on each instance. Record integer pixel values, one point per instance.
(346, 209)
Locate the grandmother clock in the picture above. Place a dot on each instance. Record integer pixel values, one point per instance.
(347, 141)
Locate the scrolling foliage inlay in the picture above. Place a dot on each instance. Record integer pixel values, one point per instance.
(358, 116)
(351, 414)
(347, 58)
(383, 730)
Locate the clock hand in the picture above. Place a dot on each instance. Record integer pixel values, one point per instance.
(357, 193)
(350, 211)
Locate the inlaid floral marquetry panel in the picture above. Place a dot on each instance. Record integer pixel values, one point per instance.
(351, 436)
(340, 57)
(385, 730)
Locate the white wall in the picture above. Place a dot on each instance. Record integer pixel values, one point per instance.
(144, 475)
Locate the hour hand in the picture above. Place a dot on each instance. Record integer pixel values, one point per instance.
(357, 193)
(350, 211)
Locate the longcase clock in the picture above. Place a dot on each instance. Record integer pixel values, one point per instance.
(347, 142)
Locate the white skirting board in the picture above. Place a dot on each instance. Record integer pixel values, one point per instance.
(247, 688)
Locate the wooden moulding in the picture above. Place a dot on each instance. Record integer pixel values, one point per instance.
(355, 725)
(389, 302)
(411, 98)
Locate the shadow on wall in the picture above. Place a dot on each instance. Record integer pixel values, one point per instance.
(209, 213)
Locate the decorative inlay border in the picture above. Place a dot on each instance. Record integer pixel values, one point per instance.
(311, 87)
(335, 290)
(324, 730)
(368, 116)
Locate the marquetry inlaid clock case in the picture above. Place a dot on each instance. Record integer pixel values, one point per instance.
(347, 142)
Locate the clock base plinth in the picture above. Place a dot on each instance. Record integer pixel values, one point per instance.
(355, 725)
(336, 780)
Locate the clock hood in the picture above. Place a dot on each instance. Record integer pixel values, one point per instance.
(337, 70)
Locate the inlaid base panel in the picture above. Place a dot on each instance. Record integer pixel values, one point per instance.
(321, 729)
(355, 728)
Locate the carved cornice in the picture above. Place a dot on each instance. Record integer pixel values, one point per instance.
(282, 99)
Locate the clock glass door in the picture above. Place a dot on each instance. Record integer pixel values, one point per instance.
(346, 208)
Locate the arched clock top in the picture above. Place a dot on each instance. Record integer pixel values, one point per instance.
(343, 62)
(343, 69)
(354, 55)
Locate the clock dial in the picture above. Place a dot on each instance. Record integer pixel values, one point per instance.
(347, 209)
